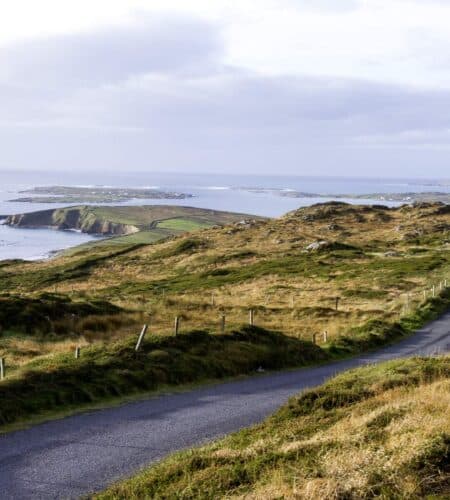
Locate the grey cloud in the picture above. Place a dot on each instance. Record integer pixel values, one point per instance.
(95, 58)
(247, 102)
(156, 95)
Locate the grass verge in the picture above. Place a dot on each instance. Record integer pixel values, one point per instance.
(62, 383)
(105, 372)
(376, 333)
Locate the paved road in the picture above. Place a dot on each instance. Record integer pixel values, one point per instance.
(74, 456)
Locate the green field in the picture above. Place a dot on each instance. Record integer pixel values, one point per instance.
(183, 224)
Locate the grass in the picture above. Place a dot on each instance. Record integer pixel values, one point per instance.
(166, 216)
(380, 431)
(183, 224)
(370, 261)
(113, 370)
(63, 383)
(40, 315)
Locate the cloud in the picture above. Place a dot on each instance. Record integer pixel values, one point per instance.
(326, 5)
(160, 44)
(158, 94)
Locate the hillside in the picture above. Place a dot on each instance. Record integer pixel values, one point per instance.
(156, 221)
(381, 431)
(346, 278)
(380, 263)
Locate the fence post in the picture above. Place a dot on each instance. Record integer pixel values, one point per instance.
(2, 368)
(213, 301)
(337, 303)
(177, 325)
(424, 295)
(314, 338)
(77, 352)
(222, 323)
(251, 317)
(434, 291)
(72, 320)
(141, 338)
(325, 336)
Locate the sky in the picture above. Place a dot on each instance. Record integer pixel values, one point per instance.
(294, 87)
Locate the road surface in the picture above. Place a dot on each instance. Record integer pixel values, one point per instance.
(84, 453)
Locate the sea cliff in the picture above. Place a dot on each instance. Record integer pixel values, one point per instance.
(74, 218)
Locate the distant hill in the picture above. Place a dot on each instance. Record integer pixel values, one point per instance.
(156, 221)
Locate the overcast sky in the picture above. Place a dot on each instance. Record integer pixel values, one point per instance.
(307, 87)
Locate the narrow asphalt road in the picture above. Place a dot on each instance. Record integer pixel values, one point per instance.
(77, 455)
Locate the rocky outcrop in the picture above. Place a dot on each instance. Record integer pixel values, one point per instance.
(77, 218)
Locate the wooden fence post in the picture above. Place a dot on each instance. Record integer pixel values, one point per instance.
(222, 323)
(2, 368)
(251, 317)
(77, 352)
(177, 325)
(141, 338)
(337, 303)
(72, 320)
(325, 336)
(213, 301)
(433, 291)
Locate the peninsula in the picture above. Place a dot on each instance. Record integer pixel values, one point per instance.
(146, 223)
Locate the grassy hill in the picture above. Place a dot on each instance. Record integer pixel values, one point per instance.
(381, 431)
(136, 224)
(364, 275)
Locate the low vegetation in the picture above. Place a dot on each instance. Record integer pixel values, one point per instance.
(155, 221)
(63, 382)
(381, 431)
(364, 275)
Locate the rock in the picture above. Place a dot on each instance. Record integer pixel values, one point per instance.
(317, 245)
(413, 234)
(246, 223)
(392, 253)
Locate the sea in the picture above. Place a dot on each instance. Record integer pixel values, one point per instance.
(251, 194)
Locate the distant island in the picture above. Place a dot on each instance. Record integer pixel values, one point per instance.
(409, 197)
(79, 194)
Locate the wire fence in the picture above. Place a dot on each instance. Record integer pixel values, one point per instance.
(167, 315)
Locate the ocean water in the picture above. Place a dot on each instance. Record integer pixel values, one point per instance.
(221, 192)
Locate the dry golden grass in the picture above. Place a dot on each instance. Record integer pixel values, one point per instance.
(350, 465)
(269, 269)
